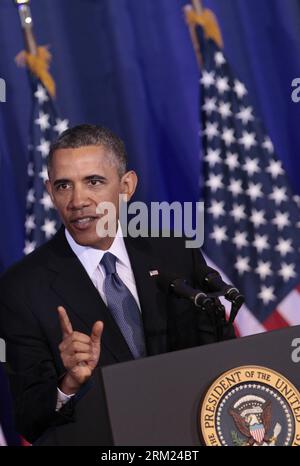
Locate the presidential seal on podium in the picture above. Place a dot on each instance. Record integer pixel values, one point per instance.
(250, 406)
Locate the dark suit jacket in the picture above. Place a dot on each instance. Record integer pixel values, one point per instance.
(52, 275)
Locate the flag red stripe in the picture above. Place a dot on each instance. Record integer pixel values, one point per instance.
(24, 442)
(275, 321)
(236, 329)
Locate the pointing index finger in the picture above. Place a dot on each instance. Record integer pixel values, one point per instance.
(65, 323)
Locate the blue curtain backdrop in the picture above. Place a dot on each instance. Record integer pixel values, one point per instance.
(129, 64)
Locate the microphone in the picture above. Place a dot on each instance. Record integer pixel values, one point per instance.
(171, 283)
(168, 282)
(214, 283)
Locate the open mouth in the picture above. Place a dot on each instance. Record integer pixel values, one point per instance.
(82, 223)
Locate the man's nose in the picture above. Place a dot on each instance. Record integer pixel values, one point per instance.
(79, 198)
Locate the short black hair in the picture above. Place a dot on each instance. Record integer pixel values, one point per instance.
(91, 135)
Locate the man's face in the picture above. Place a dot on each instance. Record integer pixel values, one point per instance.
(79, 180)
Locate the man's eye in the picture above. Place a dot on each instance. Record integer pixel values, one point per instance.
(95, 182)
(62, 186)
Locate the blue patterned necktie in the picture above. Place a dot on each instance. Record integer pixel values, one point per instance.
(123, 307)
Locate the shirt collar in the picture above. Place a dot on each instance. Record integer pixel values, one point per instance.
(90, 257)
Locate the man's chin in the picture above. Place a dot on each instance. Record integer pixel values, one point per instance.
(89, 238)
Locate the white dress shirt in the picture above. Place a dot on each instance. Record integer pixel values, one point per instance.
(90, 259)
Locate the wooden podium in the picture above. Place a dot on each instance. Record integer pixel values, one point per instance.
(156, 401)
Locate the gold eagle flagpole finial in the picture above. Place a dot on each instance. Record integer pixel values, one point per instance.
(37, 59)
(197, 15)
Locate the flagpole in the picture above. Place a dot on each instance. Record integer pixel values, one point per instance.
(198, 9)
(198, 6)
(36, 58)
(27, 25)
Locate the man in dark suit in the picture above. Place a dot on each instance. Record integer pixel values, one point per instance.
(83, 300)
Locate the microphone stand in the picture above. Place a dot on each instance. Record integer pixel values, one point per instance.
(216, 310)
(219, 318)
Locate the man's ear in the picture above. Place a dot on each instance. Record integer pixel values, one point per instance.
(129, 183)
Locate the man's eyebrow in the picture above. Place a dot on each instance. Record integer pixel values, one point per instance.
(95, 177)
(61, 181)
(86, 178)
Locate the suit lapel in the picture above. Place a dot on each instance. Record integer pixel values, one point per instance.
(80, 296)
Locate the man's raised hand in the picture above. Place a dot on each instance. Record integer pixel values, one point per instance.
(79, 352)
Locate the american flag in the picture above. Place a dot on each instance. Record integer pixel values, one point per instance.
(252, 217)
(41, 218)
